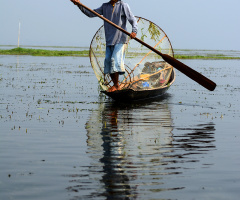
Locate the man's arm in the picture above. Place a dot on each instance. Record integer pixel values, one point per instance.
(86, 12)
(132, 20)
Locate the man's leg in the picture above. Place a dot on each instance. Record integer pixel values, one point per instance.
(108, 65)
(115, 78)
(115, 64)
(118, 57)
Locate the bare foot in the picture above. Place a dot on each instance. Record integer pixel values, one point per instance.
(162, 81)
(114, 88)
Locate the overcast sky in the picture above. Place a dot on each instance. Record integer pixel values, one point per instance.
(189, 24)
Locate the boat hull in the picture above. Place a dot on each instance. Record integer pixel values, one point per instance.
(134, 95)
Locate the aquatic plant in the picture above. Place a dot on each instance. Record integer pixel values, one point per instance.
(42, 52)
(85, 53)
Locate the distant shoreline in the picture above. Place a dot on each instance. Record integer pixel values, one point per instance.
(43, 52)
(185, 54)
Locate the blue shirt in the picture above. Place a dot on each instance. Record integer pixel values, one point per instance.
(118, 14)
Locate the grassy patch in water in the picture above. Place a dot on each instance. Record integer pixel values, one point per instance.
(85, 53)
(42, 52)
(209, 56)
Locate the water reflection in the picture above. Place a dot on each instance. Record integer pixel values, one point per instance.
(196, 140)
(134, 153)
(115, 178)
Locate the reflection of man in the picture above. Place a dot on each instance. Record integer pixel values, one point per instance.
(118, 12)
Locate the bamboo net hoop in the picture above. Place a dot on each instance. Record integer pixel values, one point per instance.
(144, 69)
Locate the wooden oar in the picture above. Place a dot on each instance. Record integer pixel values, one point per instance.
(191, 73)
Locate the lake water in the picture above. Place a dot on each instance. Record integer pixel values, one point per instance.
(60, 138)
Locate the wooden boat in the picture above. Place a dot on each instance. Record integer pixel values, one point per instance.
(130, 94)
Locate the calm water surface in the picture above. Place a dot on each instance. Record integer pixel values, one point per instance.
(60, 138)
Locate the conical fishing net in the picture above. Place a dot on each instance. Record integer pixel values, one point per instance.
(144, 69)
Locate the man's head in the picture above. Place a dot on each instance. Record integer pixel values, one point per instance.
(114, 1)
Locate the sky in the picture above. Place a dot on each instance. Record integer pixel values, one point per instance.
(189, 24)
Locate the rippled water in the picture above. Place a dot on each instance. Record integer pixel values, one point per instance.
(61, 139)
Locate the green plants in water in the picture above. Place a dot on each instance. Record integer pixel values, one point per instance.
(205, 57)
(42, 52)
(85, 53)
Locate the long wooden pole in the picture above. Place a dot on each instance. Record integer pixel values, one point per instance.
(19, 33)
(191, 73)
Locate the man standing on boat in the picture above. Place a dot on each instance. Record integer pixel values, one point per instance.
(116, 41)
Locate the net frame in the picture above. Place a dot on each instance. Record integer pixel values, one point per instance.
(138, 73)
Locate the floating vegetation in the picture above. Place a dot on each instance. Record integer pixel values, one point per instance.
(85, 53)
(42, 52)
(209, 56)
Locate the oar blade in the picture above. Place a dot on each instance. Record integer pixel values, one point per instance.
(191, 73)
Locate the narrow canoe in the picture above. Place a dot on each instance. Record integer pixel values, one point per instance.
(134, 95)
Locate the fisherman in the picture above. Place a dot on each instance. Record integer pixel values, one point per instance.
(118, 12)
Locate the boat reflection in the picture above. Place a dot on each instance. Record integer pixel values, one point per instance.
(129, 136)
(134, 153)
(115, 178)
